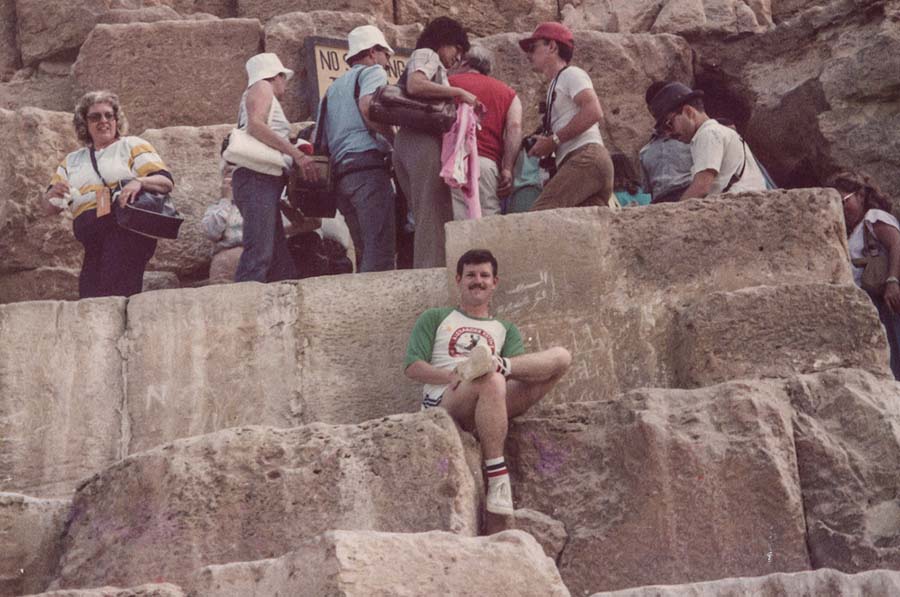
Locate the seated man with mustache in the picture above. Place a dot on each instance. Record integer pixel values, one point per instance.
(475, 367)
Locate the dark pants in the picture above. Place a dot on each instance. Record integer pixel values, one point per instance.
(891, 323)
(114, 258)
(266, 257)
(670, 196)
(366, 198)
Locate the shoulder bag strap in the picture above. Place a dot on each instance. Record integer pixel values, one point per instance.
(870, 241)
(96, 168)
(738, 175)
(551, 97)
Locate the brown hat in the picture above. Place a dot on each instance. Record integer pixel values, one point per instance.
(549, 30)
(668, 99)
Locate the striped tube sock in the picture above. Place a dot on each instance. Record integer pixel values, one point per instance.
(496, 470)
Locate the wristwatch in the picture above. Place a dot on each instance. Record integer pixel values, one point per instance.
(891, 280)
(555, 138)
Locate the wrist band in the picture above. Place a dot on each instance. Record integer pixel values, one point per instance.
(892, 280)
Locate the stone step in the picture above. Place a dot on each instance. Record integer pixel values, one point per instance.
(373, 564)
(148, 590)
(255, 492)
(817, 583)
(30, 532)
(745, 478)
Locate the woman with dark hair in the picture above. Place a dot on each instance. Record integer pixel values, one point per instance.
(114, 258)
(417, 155)
(867, 213)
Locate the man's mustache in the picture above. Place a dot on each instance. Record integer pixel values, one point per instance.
(477, 285)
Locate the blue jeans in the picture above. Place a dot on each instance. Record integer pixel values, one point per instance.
(266, 257)
(366, 198)
(891, 323)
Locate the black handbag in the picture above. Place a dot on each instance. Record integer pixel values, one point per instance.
(150, 214)
(392, 105)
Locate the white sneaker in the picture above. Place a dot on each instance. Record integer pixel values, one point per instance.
(499, 497)
(480, 361)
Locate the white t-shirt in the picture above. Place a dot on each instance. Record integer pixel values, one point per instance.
(857, 241)
(570, 83)
(717, 147)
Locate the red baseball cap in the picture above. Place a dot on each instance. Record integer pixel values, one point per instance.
(549, 30)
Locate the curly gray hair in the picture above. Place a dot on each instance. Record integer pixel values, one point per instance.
(84, 104)
(480, 59)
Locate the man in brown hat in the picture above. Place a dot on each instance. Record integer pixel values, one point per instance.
(570, 127)
(722, 160)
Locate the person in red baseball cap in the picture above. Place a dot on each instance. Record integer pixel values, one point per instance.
(570, 126)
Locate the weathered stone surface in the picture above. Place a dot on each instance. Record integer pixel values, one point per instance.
(669, 16)
(481, 18)
(9, 53)
(783, 10)
(204, 75)
(33, 143)
(816, 583)
(666, 486)
(192, 155)
(148, 590)
(61, 393)
(621, 66)
(148, 14)
(549, 532)
(848, 455)
(372, 564)
(324, 349)
(159, 281)
(610, 293)
(767, 331)
(255, 492)
(43, 283)
(265, 10)
(31, 88)
(817, 93)
(30, 533)
(285, 35)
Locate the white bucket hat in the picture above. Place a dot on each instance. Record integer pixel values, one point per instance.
(265, 66)
(365, 37)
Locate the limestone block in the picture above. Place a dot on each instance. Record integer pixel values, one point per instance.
(201, 83)
(372, 564)
(621, 66)
(815, 583)
(33, 143)
(148, 14)
(548, 531)
(610, 292)
(148, 590)
(36, 89)
(264, 10)
(666, 486)
(848, 455)
(252, 493)
(285, 35)
(30, 534)
(769, 331)
(669, 16)
(61, 393)
(159, 281)
(9, 53)
(43, 283)
(192, 155)
(481, 18)
(324, 349)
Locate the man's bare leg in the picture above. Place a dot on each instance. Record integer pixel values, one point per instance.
(533, 375)
(480, 405)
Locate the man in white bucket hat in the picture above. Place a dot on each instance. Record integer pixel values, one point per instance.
(360, 150)
(266, 257)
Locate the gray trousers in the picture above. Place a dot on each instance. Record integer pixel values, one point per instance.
(417, 163)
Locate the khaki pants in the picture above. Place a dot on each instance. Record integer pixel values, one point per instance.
(488, 179)
(585, 178)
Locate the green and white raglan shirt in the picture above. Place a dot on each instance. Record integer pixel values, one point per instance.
(444, 337)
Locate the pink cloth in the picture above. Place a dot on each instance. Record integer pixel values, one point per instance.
(459, 158)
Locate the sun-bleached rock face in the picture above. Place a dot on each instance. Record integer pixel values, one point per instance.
(814, 583)
(612, 292)
(265, 10)
(372, 564)
(817, 93)
(148, 590)
(9, 53)
(621, 67)
(285, 35)
(848, 456)
(680, 485)
(481, 18)
(34, 142)
(255, 492)
(324, 349)
(61, 393)
(30, 530)
(683, 17)
(203, 79)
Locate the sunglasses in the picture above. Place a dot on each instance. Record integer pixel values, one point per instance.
(847, 196)
(529, 48)
(98, 116)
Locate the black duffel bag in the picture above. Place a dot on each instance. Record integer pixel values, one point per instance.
(150, 214)
(391, 105)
